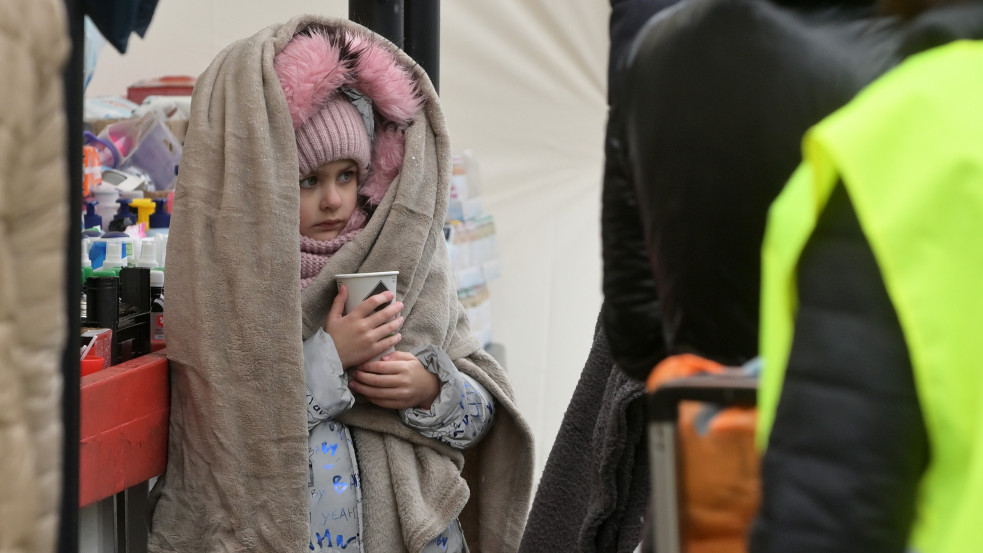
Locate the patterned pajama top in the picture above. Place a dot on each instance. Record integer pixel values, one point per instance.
(459, 417)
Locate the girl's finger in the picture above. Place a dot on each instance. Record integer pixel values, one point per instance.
(338, 305)
(383, 394)
(376, 394)
(381, 367)
(385, 340)
(380, 316)
(374, 303)
(375, 379)
(388, 329)
(392, 340)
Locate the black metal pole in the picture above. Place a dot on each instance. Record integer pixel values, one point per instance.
(382, 16)
(68, 526)
(422, 32)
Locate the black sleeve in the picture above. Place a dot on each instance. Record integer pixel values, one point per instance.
(848, 445)
(630, 314)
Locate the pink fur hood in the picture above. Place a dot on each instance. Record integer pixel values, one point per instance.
(318, 62)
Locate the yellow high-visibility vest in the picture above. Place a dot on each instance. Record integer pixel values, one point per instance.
(909, 151)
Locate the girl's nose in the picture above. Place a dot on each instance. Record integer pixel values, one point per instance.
(330, 199)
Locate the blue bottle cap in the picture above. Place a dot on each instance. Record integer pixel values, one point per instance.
(91, 218)
(97, 254)
(124, 208)
(124, 217)
(160, 218)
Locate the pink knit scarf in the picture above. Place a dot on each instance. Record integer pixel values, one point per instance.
(314, 254)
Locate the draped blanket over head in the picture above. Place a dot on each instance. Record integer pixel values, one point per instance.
(236, 478)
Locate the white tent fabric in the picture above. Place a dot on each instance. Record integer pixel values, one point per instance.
(522, 84)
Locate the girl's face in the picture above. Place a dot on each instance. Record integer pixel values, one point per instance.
(327, 199)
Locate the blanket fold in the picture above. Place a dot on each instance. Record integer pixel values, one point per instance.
(237, 463)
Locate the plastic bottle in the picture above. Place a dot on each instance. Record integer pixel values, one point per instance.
(105, 196)
(97, 253)
(114, 255)
(92, 169)
(157, 305)
(86, 262)
(148, 254)
(86, 272)
(161, 250)
(119, 221)
(144, 207)
(160, 219)
(91, 218)
(129, 249)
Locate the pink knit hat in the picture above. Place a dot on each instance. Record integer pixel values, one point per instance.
(335, 132)
(316, 65)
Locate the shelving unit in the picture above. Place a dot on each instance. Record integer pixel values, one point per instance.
(123, 444)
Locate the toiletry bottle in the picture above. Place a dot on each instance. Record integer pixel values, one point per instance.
(123, 218)
(160, 219)
(97, 253)
(91, 218)
(128, 251)
(115, 257)
(157, 305)
(144, 207)
(148, 253)
(91, 171)
(105, 196)
(86, 272)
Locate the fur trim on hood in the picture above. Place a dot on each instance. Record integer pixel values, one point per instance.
(318, 62)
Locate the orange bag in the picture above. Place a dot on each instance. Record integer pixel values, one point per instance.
(718, 471)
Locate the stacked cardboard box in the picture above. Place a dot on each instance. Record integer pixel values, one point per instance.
(470, 234)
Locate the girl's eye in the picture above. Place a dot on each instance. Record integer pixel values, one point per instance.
(346, 176)
(308, 182)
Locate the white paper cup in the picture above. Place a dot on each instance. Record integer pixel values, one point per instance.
(362, 286)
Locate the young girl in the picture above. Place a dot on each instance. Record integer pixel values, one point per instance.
(439, 401)
(358, 124)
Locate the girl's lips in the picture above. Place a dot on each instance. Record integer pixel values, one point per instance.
(329, 224)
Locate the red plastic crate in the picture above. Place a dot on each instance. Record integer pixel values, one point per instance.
(124, 413)
(170, 85)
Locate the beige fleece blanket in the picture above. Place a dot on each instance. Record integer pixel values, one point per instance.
(34, 215)
(237, 461)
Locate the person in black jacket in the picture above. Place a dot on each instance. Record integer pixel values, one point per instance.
(705, 127)
(669, 136)
(704, 130)
(849, 444)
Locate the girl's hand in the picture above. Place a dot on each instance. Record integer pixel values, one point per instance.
(397, 381)
(365, 332)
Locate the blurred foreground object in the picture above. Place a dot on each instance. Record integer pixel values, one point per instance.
(872, 388)
(33, 326)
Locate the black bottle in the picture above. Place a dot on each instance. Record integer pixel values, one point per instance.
(156, 305)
